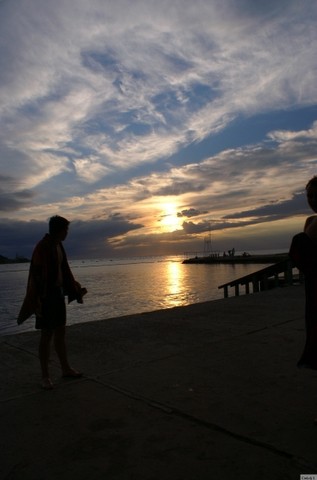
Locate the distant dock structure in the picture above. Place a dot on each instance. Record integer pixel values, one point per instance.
(207, 252)
(208, 255)
(215, 257)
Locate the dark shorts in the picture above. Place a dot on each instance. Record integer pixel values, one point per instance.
(53, 311)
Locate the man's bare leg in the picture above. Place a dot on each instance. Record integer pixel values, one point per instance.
(60, 347)
(44, 355)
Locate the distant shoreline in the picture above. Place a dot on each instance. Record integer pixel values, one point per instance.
(17, 259)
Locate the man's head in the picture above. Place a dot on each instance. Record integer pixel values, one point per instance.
(311, 192)
(58, 226)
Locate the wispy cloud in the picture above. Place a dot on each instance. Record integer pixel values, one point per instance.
(97, 99)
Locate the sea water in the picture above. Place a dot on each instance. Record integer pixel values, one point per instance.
(123, 286)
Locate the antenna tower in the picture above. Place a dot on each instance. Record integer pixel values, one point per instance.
(207, 244)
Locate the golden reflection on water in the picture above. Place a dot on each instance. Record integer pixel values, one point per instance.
(175, 284)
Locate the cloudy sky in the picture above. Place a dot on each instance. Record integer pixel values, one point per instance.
(151, 125)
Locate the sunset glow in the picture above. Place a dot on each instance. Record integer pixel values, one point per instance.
(169, 220)
(155, 124)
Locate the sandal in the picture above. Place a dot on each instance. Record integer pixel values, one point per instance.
(72, 373)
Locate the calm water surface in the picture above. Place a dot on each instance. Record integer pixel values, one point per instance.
(122, 287)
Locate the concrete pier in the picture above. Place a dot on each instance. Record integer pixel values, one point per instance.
(208, 391)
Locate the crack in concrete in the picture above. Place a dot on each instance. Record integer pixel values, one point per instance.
(168, 409)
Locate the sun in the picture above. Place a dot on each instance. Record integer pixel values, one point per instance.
(169, 221)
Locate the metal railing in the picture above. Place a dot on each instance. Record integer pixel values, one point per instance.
(279, 274)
